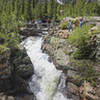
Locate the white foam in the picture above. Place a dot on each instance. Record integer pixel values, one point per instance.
(44, 82)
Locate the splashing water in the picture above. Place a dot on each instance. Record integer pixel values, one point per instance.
(44, 82)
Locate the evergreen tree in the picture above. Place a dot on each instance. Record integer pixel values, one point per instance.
(34, 9)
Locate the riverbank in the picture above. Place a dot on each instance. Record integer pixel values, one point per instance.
(82, 75)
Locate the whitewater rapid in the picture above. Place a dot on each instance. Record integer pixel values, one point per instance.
(45, 83)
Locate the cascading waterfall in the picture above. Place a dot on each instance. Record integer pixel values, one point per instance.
(45, 81)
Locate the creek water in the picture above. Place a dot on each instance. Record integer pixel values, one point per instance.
(47, 83)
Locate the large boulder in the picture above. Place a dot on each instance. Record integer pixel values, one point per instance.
(61, 58)
(56, 48)
(22, 64)
(24, 70)
(19, 85)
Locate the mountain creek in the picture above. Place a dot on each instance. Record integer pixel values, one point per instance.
(43, 67)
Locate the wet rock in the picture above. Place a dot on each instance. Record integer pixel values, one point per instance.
(15, 68)
(19, 85)
(5, 85)
(22, 64)
(22, 70)
(26, 60)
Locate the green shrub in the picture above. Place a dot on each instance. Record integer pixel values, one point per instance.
(81, 39)
(64, 26)
(79, 34)
(85, 50)
(80, 53)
